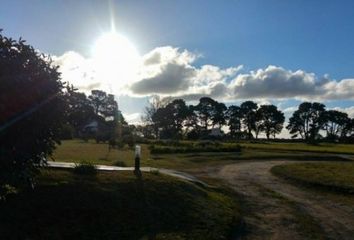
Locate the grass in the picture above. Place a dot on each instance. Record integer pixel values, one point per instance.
(194, 147)
(333, 177)
(302, 147)
(79, 151)
(118, 205)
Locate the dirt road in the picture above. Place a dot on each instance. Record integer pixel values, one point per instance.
(279, 210)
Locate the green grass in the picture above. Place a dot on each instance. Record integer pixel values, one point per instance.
(91, 152)
(118, 205)
(333, 177)
(79, 151)
(302, 147)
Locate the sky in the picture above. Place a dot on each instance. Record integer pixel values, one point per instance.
(276, 51)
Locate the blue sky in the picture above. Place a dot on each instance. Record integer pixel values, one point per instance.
(311, 36)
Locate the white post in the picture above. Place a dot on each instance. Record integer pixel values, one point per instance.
(137, 158)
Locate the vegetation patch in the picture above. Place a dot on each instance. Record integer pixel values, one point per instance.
(301, 147)
(197, 147)
(334, 177)
(117, 205)
(85, 169)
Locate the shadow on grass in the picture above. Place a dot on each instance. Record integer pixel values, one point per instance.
(115, 206)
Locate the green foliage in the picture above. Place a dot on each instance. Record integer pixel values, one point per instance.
(85, 168)
(307, 121)
(32, 110)
(199, 147)
(120, 164)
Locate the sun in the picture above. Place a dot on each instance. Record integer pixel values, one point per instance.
(116, 60)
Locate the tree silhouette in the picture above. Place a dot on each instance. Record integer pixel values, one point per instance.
(32, 111)
(307, 121)
(271, 120)
(248, 110)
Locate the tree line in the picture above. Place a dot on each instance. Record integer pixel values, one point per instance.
(166, 118)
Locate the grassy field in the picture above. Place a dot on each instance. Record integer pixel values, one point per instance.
(118, 205)
(334, 177)
(79, 151)
(302, 147)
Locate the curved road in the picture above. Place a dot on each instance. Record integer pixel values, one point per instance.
(272, 217)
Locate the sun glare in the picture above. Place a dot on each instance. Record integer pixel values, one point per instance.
(116, 60)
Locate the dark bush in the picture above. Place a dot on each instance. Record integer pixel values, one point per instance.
(85, 169)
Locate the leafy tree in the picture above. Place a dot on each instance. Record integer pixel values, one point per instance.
(271, 119)
(248, 110)
(204, 111)
(218, 117)
(103, 104)
(149, 114)
(210, 113)
(97, 99)
(32, 111)
(307, 121)
(171, 118)
(234, 117)
(336, 124)
(80, 109)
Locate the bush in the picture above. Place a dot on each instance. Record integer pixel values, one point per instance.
(32, 111)
(120, 144)
(129, 140)
(155, 149)
(120, 164)
(85, 169)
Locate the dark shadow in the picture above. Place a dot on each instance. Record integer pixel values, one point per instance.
(151, 231)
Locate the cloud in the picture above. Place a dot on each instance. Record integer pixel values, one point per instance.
(169, 71)
(77, 70)
(172, 79)
(273, 82)
(133, 118)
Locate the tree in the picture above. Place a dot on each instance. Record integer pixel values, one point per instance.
(103, 104)
(80, 109)
(307, 121)
(97, 99)
(148, 118)
(171, 118)
(210, 113)
(218, 116)
(32, 111)
(271, 119)
(336, 124)
(234, 118)
(248, 110)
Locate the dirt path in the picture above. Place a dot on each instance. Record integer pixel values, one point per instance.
(270, 217)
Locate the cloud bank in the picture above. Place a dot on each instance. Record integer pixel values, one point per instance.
(169, 71)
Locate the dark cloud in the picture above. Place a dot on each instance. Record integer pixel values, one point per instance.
(173, 78)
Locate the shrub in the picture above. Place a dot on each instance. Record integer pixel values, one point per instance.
(120, 164)
(85, 169)
(129, 139)
(32, 111)
(155, 149)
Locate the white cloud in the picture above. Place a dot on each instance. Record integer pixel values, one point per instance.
(133, 118)
(169, 71)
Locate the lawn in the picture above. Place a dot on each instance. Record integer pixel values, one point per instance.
(80, 151)
(118, 205)
(333, 177)
(302, 147)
